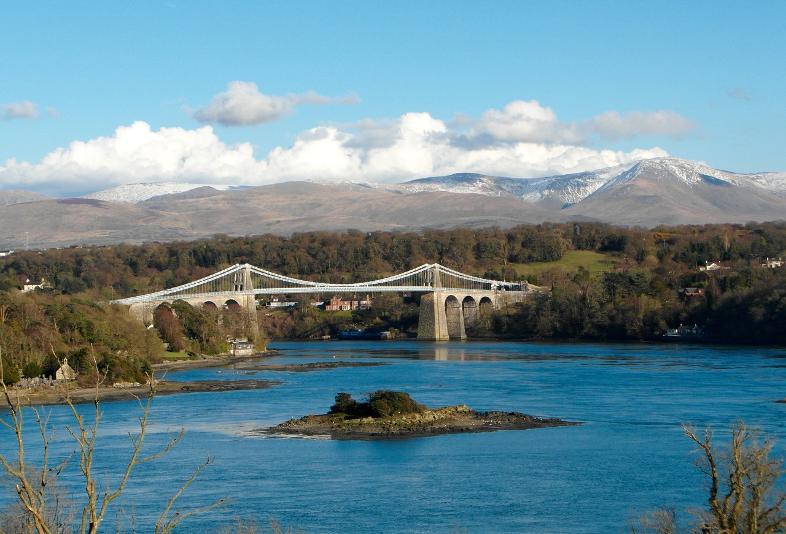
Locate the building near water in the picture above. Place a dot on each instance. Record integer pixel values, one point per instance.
(241, 347)
(338, 304)
(65, 372)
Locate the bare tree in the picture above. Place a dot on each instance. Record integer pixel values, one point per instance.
(31, 488)
(743, 497)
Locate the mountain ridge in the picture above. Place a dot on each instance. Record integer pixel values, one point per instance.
(643, 193)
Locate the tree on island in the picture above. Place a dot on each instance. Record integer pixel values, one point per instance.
(381, 403)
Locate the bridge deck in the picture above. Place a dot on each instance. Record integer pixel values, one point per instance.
(249, 280)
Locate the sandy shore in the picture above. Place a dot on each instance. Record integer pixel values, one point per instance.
(448, 420)
(56, 395)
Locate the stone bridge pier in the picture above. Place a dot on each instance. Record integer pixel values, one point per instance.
(446, 314)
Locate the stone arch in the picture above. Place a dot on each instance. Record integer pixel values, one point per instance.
(166, 308)
(485, 307)
(455, 318)
(233, 305)
(469, 308)
(210, 305)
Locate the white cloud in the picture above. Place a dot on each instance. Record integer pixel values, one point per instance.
(410, 146)
(242, 104)
(18, 110)
(612, 125)
(526, 121)
(136, 153)
(529, 121)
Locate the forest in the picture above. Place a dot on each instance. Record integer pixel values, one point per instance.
(650, 280)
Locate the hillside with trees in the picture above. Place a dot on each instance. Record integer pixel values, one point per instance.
(635, 283)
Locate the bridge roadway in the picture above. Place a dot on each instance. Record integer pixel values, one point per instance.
(451, 301)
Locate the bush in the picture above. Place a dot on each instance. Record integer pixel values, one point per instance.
(32, 370)
(9, 373)
(385, 403)
(344, 404)
(382, 403)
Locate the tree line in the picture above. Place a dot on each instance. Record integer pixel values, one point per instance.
(637, 298)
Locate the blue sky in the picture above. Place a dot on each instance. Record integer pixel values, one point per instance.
(716, 69)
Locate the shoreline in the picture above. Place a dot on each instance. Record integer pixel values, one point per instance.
(307, 367)
(56, 396)
(576, 341)
(209, 361)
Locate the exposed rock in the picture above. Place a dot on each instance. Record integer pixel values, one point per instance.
(448, 420)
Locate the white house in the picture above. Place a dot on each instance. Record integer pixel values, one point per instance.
(66, 372)
(32, 287)
(712, 267)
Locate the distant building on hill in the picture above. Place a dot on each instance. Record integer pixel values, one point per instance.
(690, 292)
(772, 263)
(32, 287)
(338, 304)
(5, 253)
(713, 267)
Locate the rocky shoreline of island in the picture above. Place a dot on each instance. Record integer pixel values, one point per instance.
(343, 421)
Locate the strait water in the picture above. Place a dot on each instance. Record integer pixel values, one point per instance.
(628, 457)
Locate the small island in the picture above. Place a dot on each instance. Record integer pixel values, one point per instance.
(395, 415)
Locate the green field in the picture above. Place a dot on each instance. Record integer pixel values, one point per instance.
(594, 262)
(176, 356)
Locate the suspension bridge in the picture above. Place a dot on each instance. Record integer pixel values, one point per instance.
(451, 301)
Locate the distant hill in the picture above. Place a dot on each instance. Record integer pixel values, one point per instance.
(16, 196)
(646, 193)
(133, 193)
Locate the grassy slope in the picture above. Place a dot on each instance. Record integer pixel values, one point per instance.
(594, 262)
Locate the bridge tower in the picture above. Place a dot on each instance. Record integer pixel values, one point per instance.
(244, 285)
(441, 316)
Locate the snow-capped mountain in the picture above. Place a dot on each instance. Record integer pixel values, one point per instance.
(647, 193)
(135, 193)
(560, 190)
(692, 173)
(570, 189)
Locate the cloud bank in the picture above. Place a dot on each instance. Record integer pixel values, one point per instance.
(524, 139)
(242, 104)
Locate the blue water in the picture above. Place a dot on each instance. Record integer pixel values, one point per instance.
(628, 457)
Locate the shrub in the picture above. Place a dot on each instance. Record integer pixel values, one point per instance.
(385, 403)
(344, 404)
(10, 372)
(32, 369)
(382, 403)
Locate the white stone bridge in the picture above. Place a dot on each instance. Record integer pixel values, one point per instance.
(451, 301)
